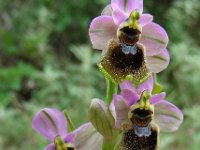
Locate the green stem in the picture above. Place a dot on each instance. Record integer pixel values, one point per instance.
(111, 89)
(71, 126)
(157, 88)
(155, 77)
(108, 145)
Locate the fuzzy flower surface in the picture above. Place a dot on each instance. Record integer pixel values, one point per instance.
(153, 37)
(166, 115)
(52, 124)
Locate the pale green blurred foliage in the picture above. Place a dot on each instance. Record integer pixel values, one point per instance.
(46, 60)
(182, 77)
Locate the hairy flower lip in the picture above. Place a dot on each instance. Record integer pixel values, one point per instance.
(144, 141)
(118, 65)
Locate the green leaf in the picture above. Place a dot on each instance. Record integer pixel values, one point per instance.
(157, 88)
(69, 121)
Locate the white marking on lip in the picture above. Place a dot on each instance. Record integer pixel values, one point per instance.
(126, 49)
(142, 131)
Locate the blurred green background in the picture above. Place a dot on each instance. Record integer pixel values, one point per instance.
(46, 60)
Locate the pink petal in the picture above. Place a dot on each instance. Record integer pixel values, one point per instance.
(134, 5)
(87, 138)
(130, 97)
(121, 110)
(50, 123)
(112, 108)
(127, 85)
(154, 38)
(145, 19)
(157, 63)
(50, 147)
(101, 30)
(147, 85)
(107, 11)
(70, 137)
(167, 116)
(117, 4)
(127, 6)
(119, 16)
(157, 97)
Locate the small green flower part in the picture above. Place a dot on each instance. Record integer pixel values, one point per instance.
(157, 87)
(143, 103)
(133, 19)
(62, 145)
(118, 66)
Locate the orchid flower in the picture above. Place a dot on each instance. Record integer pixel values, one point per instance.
(140, 114)
(130, 41)
(52, 124)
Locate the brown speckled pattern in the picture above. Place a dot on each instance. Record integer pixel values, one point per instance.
(133, 142)
(118, 65)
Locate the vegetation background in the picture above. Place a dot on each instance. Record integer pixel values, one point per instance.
(46, 60)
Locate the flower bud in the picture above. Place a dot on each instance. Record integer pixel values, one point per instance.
(102, 120)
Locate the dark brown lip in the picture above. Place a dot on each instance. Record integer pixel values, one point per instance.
(141, 118)
(142, 113)
(132, 141)
(129, 36)
(119, 64)
(141, 122)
